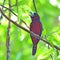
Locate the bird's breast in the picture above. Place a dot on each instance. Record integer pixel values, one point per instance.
(36, 27)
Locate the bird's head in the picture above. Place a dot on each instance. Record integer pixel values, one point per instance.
(34, 16)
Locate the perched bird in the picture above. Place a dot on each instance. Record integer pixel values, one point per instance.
(35, 27)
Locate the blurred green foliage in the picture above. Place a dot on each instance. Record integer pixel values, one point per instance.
(20, 41)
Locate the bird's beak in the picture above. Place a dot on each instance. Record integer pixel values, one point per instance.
(31, 14)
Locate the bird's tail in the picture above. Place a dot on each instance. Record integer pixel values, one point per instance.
(34, 49)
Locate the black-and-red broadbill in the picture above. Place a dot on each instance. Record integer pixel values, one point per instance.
(35, 27)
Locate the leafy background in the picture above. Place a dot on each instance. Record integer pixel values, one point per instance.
(20, 41)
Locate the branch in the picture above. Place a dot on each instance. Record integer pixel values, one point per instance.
(8, 41)
(14, 22)
(33, 34)
(8, 33)
(15, 14)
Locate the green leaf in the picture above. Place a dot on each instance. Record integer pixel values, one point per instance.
(45, 54)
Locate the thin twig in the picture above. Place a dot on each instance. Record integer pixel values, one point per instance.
(13, 5)
(17, 5)
(9, 9)
(3, 4)
(35, 6)
(51, 55)
(2, 8)
(35, 35)
(25, 24)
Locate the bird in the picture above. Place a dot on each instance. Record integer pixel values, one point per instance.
(35, 27)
